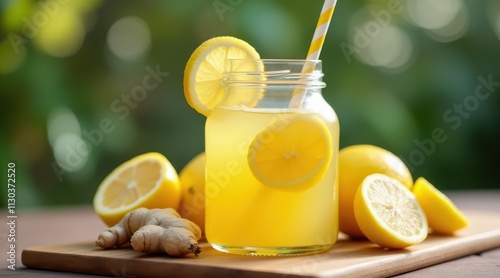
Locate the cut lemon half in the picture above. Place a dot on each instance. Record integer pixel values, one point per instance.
(148, 180)
(388, 213)
(203, 73)
(442, 215)
(356, 162)
(291, 152)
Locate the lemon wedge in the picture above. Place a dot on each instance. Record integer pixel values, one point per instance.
(147, 180)
(388, 213)
(204, 72)
(442, 215)
(294, 153)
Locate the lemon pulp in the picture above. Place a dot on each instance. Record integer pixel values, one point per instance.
(388, 213)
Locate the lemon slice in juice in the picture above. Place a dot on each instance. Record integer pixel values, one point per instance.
(388, 213)
(443, 216)
(204, 72)
(148, 180)
(295, 153)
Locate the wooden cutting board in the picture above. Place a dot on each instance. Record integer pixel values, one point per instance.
(346, 258)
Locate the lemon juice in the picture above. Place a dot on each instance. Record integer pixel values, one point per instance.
(279, 211)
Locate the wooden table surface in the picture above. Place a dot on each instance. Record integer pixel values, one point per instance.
(60, 225)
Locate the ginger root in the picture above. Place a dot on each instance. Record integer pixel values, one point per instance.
(154, 231)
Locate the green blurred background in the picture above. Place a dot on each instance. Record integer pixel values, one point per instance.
(397, 73)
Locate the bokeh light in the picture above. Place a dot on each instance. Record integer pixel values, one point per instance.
(12, 53)
(129, 38)
(14, 10)
(431, 14)
(376, 39)
(71, 152)
(64, 132)
(445, 20)
(494, 17)
(62, 35)
(390, 48)
(62, 121)
(452, 31)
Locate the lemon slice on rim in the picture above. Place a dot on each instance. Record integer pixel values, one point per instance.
(443, 216)
(147, 180)
(291, 152)
(388, 213)
(203, 73)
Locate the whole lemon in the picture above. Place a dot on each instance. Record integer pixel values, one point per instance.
(192, 179)
(357, 162)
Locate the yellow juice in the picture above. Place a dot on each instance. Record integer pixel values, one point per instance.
(242, 214)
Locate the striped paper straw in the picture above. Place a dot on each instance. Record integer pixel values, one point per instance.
(316, 45)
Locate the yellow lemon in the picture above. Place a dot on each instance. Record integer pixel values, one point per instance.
(388, 213)
(204, 72)
(442, 215)
(192, 179)
(356, 162)
(292, 154)
(147, 180)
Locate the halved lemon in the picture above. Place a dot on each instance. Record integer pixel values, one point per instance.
(442, 215)
(147, 180)
(203, 73)
(291, 152)
(356, 162)
(388, 213)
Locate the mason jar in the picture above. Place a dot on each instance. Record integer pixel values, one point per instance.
(271, 160)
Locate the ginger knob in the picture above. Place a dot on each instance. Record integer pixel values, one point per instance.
(153, 231)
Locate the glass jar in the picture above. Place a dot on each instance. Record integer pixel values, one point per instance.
(271, 161)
